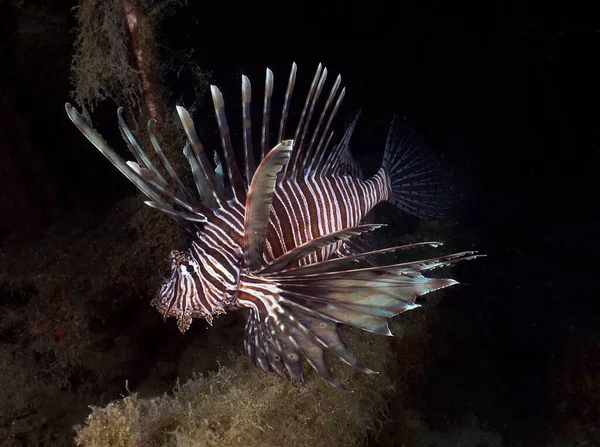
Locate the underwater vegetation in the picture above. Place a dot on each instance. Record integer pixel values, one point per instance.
(240, 404)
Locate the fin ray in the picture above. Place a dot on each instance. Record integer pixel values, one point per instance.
(419, 185)
(250, 164)
(307, 308)
(286, 103)
(258, 202)
(267, 113)
(215, 188)
(316, 244)
(163, 159)
(233, 171)
(157, 194)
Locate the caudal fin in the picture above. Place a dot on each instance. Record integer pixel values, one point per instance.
(419, 184)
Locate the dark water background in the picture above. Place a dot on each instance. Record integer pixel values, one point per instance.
(505, 92)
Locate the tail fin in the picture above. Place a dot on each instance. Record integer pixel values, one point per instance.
(419, 185)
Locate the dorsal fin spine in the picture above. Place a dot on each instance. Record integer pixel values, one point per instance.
(286, 104)
(163, 159)
(310, 158)
(303, 147)
(233, 171)
(250, 165)
(198, 152)
(266, 112)
(302, 119)
(200, 180)
(321, 150)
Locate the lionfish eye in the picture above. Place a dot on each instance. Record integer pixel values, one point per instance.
(189, 268)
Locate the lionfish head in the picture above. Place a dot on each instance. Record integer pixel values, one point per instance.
(181, 295)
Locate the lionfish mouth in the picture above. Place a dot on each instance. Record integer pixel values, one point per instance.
(166, 304)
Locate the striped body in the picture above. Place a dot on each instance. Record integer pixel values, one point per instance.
(286, 243)
(320, 205)
(300, 212)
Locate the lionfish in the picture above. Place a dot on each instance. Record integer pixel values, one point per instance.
(285, 239)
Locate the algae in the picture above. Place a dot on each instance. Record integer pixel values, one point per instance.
(242, 405)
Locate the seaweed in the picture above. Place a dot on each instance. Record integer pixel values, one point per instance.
(102, 64)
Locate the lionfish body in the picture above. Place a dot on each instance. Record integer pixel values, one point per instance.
(290, 242)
